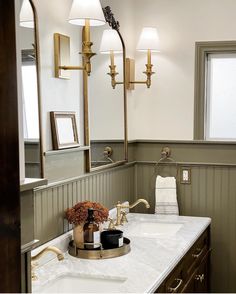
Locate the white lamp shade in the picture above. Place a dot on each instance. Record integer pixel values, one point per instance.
(110, 42)
(82, 10)
(148, 40)
(26, 15)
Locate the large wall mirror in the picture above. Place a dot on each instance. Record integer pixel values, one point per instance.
(106, 105)
(30, 89)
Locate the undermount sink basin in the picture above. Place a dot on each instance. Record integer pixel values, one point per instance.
(78, 283)
(150, 229)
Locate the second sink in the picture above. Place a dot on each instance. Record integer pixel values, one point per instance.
(150, 229)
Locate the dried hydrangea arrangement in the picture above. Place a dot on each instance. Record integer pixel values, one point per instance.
(78, 214)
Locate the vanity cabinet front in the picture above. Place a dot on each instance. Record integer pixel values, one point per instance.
(191, 275)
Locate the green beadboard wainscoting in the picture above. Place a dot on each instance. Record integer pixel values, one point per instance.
(212, 193)
(97, 149)
(51, 201)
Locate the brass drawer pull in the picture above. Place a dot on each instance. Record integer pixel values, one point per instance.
(174, 290)
(200, 278)
(199, 252)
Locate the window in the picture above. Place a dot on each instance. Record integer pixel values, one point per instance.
(220, 120)
(215, 91)
(30, 102)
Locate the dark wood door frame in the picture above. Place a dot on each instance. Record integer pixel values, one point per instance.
(10, 249)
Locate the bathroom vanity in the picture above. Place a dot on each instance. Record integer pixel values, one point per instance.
(168, 254)
(191, 275)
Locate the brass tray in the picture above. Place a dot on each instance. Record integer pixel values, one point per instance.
(99, 253)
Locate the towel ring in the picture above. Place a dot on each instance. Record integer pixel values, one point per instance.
(165, 158)
(168, 161)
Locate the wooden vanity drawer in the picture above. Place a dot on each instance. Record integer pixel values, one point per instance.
(175, 283)
(191, 274)
(199, 281)
(161, 288)
(195, 254)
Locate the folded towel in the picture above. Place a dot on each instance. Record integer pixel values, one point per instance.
(166, 197)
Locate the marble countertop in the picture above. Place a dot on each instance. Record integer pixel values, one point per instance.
(151, 259)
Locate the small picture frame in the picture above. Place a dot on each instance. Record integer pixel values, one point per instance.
(64, 130)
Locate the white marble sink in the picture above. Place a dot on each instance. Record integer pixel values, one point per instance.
(152, 229)
(81, 283)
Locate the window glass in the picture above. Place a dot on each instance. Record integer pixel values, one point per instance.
(220, 115)
(30, 102)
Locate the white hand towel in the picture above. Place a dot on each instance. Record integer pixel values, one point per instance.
(166, 197)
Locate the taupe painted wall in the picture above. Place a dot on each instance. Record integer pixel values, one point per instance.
(32, 160)
(97, 149)
(65, 164)
(27, 216)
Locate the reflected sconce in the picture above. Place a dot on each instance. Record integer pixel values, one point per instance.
(26, 15)
(84, 13)
(111, 44)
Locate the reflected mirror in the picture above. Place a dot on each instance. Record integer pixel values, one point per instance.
(106, 104)
(30, 89)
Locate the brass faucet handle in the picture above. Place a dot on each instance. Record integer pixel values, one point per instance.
(34, 277)
(60, 257)
(124, 217)
(117, 204)
(111, 225)
(34, 264)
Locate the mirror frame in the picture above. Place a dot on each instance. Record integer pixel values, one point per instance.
(37, 54)
(114, 25)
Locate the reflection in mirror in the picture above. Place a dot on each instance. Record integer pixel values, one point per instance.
(64, 130)
(106, 104)
(30, 96)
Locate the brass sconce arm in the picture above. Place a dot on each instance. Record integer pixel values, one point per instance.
(64, 67)
(148, 72)
(62, 53)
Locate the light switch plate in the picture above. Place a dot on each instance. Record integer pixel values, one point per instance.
(185, 175)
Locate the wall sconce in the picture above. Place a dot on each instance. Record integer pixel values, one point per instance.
(26, 15)
(83, 13)
(111, 44)
(148, 42)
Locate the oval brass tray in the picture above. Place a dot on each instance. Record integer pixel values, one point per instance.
(99, 253)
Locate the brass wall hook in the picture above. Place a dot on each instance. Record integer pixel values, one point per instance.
(165, 152)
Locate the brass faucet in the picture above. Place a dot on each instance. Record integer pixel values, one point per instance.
(53, 249)
(120, 215)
